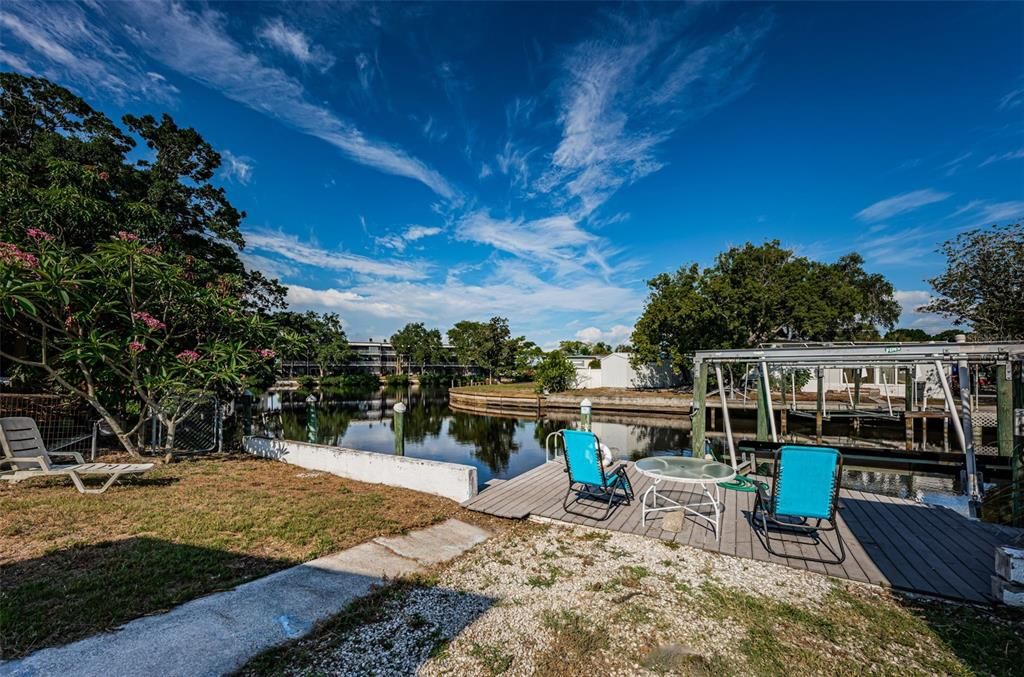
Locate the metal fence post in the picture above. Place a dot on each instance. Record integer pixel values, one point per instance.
(247, 412)
(400, 429)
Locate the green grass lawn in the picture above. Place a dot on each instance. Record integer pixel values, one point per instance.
(72, 565)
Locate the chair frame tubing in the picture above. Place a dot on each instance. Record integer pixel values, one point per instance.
(768, 517)
(606, 493)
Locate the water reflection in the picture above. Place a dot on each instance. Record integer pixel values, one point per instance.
(503, 447)
(498, 446)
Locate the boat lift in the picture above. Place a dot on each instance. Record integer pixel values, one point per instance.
(959, 356)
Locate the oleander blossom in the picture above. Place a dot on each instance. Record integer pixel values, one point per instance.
(136, 347)
(39, 235)
(148, 320)
(188, 356)
(13, 255)
(125, 236)
(266, 353)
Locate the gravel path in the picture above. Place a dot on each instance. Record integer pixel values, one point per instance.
(568, 600)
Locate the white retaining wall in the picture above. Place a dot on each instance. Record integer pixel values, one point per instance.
(450, 480)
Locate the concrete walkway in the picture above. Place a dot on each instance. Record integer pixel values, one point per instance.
(219, 633)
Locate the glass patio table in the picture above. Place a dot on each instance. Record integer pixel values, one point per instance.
(693, 471)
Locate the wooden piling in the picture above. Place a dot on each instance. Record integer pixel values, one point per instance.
(819, 405)
(762, 408)
(1004, 409)
(699, 420)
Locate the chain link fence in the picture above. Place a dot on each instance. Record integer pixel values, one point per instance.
(68, 423)
(65, 421)
(200, 432)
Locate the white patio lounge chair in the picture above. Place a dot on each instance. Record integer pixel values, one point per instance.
(26, 457)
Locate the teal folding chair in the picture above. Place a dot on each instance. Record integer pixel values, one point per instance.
(588, 477)
(805, 494)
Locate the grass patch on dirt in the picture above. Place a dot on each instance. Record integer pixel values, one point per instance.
(871, 628)
(73, 564)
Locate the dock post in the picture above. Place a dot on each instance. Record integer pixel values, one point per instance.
(857, 377)
(783, 421)
(400, 429)
(312, 425)
(1004, 408)
(908, 422)
(762, 408)
(1017, 464)
(908, 391)
(586, 406)
(697, 417)
(819, 404)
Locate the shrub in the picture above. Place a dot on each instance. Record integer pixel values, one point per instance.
(555, 373)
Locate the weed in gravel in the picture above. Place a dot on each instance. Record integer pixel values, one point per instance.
(493, 660)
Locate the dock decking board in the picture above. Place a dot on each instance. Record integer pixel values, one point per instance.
(889, 541)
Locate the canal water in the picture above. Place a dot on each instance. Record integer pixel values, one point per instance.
(501, 447)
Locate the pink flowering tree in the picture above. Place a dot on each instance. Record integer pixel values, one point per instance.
(125, 322)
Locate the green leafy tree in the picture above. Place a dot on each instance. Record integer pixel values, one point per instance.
(983, 284)
(487, 345)
(127, 321)
(555, 373)
(317, 338)
(525, 357)
(575, 347)
(120, 278)
(755, 294)
(67, 169)
(908, 335)
(415, 344)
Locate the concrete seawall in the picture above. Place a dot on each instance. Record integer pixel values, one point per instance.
(538, 404)
(450, 480)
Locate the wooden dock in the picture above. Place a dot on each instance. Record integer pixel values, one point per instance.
(889, 541)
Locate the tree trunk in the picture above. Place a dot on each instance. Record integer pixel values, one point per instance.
(115, 426)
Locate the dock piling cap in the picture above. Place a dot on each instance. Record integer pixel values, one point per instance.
(400, 408)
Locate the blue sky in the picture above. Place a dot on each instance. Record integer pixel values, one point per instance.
(439, 162)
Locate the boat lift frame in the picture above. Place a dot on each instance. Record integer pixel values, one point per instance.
(959, 355)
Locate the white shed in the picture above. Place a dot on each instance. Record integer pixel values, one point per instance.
(615, 371)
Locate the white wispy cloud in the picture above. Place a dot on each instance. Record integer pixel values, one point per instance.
(906, 247)
(514, 162)
(294, 43)
(511, 290)
(986, 213)
(399, 241)
(624, 94)
(272, 268)
(1011, 155)
(64, 44)
(614, 336)
(953, 166)
(556, 241)
(236, 167)
(1011, 99)
(196, 45)
(911, 318)
(295, 250)
(900, 204)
